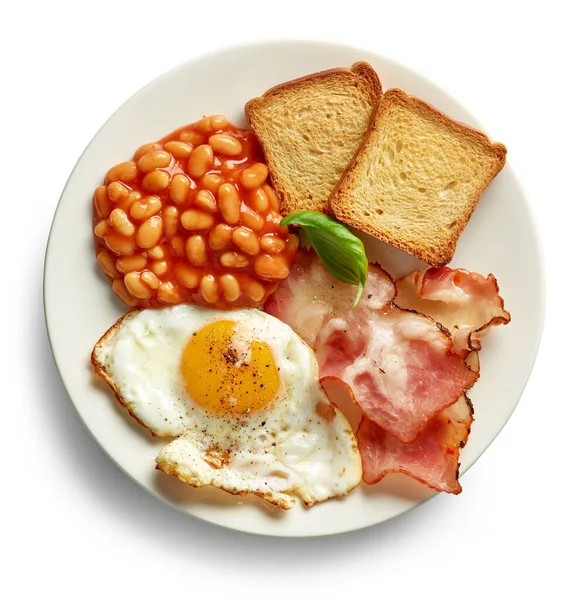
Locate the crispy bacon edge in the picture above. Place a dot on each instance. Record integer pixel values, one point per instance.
(420, 283)
(454, 449)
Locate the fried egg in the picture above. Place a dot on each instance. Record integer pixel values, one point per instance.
(239, 391)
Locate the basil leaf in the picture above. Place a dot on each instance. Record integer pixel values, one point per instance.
(339, 249)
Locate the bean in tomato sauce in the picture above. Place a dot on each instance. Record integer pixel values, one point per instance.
(192, 218)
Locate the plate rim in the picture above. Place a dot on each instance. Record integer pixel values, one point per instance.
(329, 44)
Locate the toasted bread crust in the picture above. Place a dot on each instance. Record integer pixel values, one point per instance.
(360, 69)
(396, 94)
(364, 77)
(442, 252)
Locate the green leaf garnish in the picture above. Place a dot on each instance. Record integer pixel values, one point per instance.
(339, 249)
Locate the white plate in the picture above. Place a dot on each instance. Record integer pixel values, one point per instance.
(80, 306)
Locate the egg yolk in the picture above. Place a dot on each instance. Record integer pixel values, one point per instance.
(227, 371)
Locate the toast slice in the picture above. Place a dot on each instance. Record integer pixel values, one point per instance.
(417, 178)
(310, 128)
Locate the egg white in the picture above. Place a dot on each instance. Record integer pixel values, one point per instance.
(292, 446)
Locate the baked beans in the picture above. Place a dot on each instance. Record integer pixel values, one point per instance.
(196, 250)
(200, 160)
(272, 244)
(196, 220)
(218, 122)
(120, 244)
(212, 182)
(159, 267)
(149, 232)
(246, 241)
(170, 217)
(168, 293)
(192, 136)
(122, 293)
(229, 203)
(121, 223)
(192, 218)
(101, 229)
(176, 244)
(271, 267)
(155, 159)
(230, 286)
(253, 220)
(220, 237)
(157, 252)
(117, 191)
(187, 276)
(292, 244)
(209, 289)
(205, 200)
(255, 290)
(101, 202)
(156, 181)
(150, 280)
(107, 264)
(145, 208)
(225, 144)
(136, 287)
(143, 150)
(254, 176)
(179, 188)
(271, 197)
(234, 260)
(259, 200)
(127, 264)
(125, 172)
(179, 149)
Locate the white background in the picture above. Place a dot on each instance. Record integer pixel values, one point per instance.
(75, 525)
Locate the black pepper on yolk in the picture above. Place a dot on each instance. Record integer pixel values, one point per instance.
(227, 372)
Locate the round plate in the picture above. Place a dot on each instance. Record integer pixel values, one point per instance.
(80, 306)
